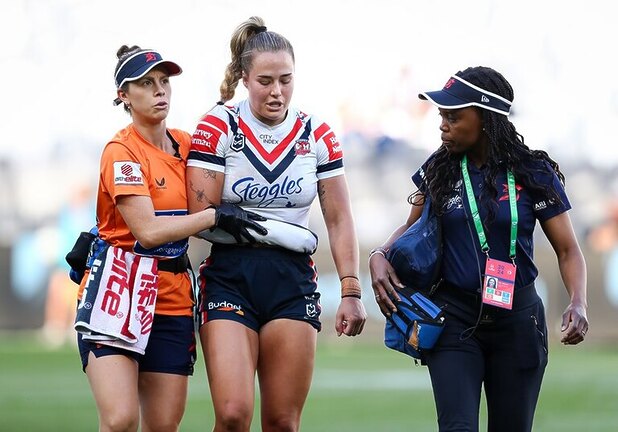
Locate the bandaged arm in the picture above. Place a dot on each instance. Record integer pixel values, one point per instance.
(283, 234)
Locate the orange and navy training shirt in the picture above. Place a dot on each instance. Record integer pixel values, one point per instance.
(130, 165)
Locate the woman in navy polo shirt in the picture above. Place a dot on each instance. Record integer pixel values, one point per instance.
(490, 189)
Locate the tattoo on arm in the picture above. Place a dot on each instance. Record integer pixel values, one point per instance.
(321, 196)
(209, 174)
(200, 195)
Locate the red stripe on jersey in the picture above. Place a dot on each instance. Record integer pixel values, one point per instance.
(205, 138)
(272, 156)
(333, 146)
(321, 131)
(216, 122)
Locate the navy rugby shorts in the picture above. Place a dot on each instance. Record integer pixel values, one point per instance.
(171, 347)
(255, 285)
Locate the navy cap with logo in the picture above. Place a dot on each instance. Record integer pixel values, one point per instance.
(140, 63)
(459, 93)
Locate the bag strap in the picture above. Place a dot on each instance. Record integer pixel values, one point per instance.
(438, 269)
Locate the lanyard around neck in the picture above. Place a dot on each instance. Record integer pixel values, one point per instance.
(476, 217)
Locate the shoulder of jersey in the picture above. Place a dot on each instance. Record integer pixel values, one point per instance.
(221, 111)
(122, 138)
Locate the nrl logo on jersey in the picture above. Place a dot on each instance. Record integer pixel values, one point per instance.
(239, 142)
(302, 147)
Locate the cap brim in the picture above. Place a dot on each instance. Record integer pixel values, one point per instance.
(442, 99)
(171, 67)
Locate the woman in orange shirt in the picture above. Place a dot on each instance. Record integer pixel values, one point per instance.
(142, 212)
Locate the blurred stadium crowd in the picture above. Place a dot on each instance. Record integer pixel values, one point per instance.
(365, 85)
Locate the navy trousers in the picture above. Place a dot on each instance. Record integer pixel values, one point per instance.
(506, 354)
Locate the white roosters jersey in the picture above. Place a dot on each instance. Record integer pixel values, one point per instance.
(272, 171)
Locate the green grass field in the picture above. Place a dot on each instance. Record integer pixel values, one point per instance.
(358, 386)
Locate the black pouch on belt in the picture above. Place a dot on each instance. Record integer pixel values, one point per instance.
(174, 265)
(78, 256)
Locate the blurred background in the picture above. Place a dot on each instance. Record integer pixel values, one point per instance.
(359, 66)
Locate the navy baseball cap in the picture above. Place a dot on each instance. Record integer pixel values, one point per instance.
(459, 93)
(140, 63)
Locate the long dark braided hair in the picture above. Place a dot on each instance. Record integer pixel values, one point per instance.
(506, 151)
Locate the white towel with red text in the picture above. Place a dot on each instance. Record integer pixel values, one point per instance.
(118, 302)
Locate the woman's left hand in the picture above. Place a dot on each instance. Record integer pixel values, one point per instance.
(351, 317)
(574, 324)
(384, 282)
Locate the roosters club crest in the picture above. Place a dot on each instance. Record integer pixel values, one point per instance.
(302, 147)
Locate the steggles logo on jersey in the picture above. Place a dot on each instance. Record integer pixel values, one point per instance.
(302, 147)
(128, 173)
(239, 142)
(250, 191)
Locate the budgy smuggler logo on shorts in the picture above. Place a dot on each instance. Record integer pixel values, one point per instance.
(128, 173)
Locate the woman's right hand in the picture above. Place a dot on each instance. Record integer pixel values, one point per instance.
(384, 282)
(234, 220)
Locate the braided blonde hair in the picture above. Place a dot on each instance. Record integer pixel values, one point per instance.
(249, 37)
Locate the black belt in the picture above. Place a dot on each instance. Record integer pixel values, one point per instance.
(175, 265)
